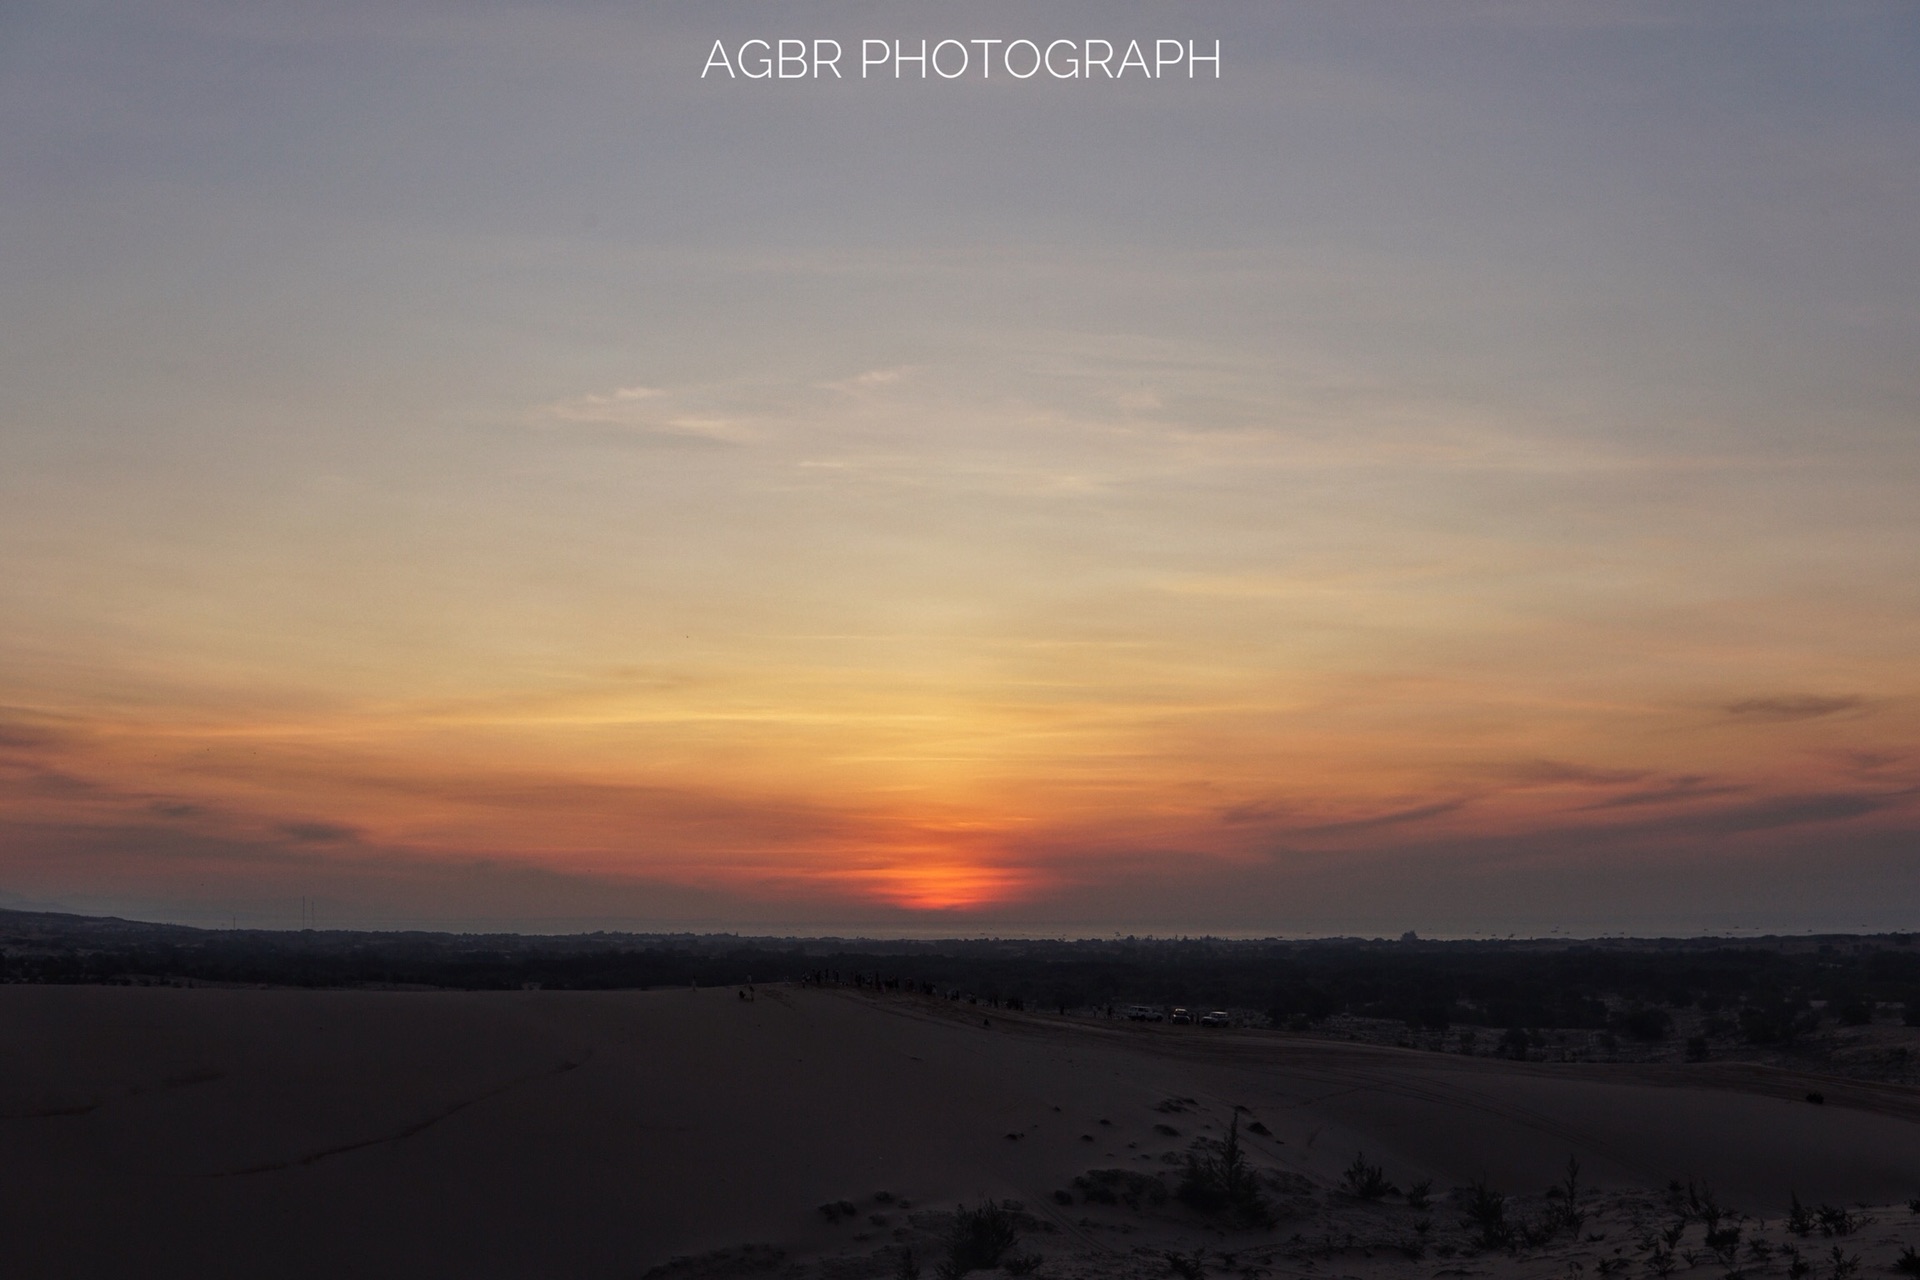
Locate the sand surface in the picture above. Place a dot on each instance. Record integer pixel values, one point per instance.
(204, 1132)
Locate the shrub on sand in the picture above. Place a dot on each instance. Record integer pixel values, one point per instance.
(1218, 1179)
(1186, 1267)
(981, 1239)
(1563, 1201)
(1486, 1216)
(1367, 1181)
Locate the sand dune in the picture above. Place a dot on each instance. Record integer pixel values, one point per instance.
(291, 1133)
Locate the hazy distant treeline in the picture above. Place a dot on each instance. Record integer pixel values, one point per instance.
(1769, 989)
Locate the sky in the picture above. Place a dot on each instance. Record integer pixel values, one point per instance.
(1456, 470)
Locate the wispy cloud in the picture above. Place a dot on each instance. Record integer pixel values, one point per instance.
(871, 380)
(318, 832)
(1868, 762)
(643, 412)
(23, 738)
(1793, 707)
(1777, 812)
(22, 734)
(1669, 791)
(1562, 773)
(1394, 818)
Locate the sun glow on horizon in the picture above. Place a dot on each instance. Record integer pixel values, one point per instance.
(932, 881)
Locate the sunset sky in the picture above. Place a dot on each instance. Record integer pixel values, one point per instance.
(1458, 471)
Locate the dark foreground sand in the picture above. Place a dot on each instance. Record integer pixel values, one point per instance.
(160, 1132)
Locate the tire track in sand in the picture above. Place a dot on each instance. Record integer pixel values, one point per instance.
(408, 1131)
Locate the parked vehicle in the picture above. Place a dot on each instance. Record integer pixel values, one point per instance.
(1181, 1015)
(1218, 1018)
(1142, 1013)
